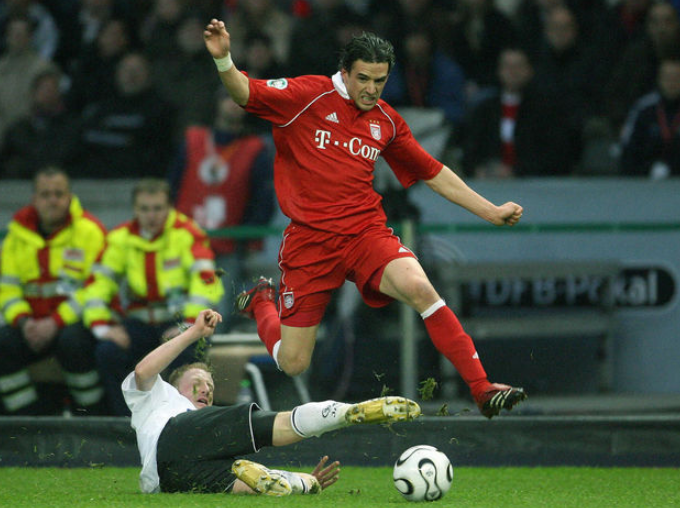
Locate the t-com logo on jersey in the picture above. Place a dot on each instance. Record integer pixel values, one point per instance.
(355, 146)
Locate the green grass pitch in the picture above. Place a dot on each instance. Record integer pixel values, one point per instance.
(502, 487)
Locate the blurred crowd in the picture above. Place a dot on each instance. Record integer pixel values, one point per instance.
(108, 88)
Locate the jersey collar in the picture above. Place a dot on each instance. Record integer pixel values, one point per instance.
(339, 85)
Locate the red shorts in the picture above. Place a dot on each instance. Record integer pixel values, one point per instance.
(314, 263)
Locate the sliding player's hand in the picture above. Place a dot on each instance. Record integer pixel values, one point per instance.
(206, 322)
(327, 475)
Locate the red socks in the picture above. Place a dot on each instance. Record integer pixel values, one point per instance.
(268, 324)
(444, 329)
(450, 339)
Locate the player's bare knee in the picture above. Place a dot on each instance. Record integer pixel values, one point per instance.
(294, 369)
(294, 366)
(421, 293)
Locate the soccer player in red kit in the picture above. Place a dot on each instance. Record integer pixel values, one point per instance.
(328, 133)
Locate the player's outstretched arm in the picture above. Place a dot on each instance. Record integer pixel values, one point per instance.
(452, 187)
(218, 44)
(158, 360)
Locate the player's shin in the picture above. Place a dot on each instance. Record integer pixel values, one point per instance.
(268, 325)
(316, 418)
(450, 339)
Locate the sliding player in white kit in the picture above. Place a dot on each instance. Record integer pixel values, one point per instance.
(188, 445)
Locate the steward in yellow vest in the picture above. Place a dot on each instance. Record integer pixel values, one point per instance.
(47, 258)
(161, 268)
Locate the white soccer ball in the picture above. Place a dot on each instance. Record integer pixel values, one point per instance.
(423, 473)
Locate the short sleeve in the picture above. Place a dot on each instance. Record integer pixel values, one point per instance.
(135, 398)
(407, 158)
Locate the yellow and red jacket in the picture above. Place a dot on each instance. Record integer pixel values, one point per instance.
(44, 276)
(169, 277)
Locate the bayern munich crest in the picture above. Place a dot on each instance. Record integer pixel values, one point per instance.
(375, 131)
(279, 83)
(288, 299)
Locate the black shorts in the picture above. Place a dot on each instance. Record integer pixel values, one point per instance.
(196, 449)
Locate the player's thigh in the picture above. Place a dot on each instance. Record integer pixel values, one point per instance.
(211, 433)
(405, 280)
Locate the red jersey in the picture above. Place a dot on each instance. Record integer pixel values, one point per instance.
(326, 150)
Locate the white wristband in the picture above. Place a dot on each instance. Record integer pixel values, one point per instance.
(224, 64)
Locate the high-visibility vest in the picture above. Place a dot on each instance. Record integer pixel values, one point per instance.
(215, 185)
(44, 276)
(169, 277)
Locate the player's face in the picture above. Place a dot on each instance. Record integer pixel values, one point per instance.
(669, 80)
(365, 82)
(52, 198)
(151, 211)
(514, 70)
(197, 385)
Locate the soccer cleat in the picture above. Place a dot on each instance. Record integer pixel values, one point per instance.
(498, 397)
(246, 300)
(262, 480)
(383, 410)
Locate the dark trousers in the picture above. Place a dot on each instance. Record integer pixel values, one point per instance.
(73, 347)
(115, 363)
(196, 449)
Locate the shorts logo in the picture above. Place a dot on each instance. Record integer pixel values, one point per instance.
(288, 299)
(279, 83)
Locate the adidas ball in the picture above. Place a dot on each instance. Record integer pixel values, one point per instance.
(423, 473)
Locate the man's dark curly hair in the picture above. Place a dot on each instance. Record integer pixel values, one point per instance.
(367, 47)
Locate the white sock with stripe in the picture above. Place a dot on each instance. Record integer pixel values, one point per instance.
(317, 418)
(433, 308)
(298, 482)
(275, 354)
